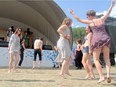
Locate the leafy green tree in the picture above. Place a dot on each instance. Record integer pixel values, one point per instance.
(78, 33)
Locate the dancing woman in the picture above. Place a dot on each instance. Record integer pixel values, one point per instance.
(64, 46)
(86, 60)
(100, 39)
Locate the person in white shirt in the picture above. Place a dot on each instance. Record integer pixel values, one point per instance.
(14, 48)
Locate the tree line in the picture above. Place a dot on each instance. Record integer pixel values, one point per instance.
(78, 33)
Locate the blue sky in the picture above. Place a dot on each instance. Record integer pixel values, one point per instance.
(80, 7)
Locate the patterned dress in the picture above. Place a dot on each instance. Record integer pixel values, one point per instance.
(99, 37)
(14, 43)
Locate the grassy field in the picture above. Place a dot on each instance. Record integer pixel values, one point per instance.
(27, 77)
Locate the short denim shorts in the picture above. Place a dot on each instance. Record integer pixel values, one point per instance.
(86, 49)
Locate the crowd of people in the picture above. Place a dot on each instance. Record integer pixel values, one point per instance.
(18, 43)
(95, 41)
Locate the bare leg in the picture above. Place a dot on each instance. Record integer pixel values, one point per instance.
(16, 61)
(106, 52)
(89, 64)
(84, 60)
(10, 62)
(39, 62)
(67, 67)
(63, 68)
(34, 64)
(96, 54)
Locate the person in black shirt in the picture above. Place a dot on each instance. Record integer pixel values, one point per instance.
(22, 52)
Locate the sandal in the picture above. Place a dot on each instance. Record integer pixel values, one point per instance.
(108, 80)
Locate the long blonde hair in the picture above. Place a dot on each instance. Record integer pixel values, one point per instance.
(16, 31)
(67, 21)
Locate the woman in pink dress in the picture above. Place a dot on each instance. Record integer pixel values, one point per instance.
(100, 40)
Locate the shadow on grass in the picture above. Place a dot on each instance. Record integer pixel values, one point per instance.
(109, 85)
(82, 79)
(26, 80)
(106, 74)
(114, 84)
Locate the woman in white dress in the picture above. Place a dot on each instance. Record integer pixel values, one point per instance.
(64, 46)
(14, 48)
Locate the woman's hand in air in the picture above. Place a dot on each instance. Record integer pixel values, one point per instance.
(113, 2)
(71, 11)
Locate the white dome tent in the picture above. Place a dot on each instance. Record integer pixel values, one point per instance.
(42, 17)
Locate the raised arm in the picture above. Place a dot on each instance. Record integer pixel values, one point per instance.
(79, 19)
(109, 11)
